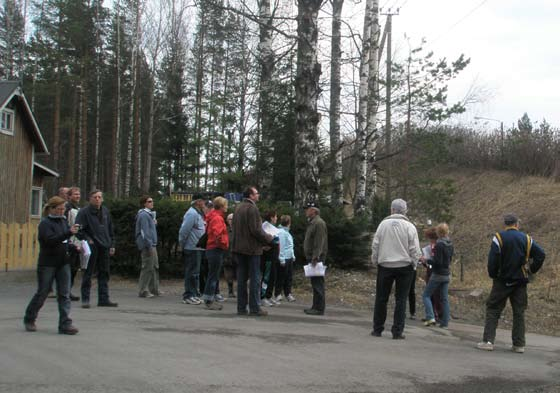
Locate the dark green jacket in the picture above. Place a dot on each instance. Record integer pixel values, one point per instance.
(315, 245)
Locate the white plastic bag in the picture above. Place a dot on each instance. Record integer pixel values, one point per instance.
(85, 254)
(315, 271)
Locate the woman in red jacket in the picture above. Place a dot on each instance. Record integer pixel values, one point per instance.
(216, 246)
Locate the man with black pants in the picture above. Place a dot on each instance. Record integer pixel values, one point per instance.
(509, 266)
(97, 228)
(315, 247)
(395, 252)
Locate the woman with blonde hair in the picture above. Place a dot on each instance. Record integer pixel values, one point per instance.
(53, 265)
(439, 280)
(216, 247)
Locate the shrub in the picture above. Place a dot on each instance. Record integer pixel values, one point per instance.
(349, 239)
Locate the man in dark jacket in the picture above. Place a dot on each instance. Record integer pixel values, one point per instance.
(509, 267)
(315, 247)
(97, 228)
(247, 248)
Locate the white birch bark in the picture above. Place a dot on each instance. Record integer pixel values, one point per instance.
(266, 61)
(334, 111)
(307, 92)
(117, 131)
(361, 140)
(132, 135)
(373, 105)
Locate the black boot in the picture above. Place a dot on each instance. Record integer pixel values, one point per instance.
(230, 290)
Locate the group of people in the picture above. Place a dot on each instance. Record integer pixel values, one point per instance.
(261, 257)
(258, 253)
(64, 231)
(514, 256)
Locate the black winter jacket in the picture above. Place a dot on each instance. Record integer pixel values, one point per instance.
(97, 226)
(53, 231)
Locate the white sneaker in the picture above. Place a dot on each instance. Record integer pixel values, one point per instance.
(485, 346)
(219, 298)
(267, 302)
(291, 298)
(279, 298)
(192, 300)
(274, 302)
(517, 349)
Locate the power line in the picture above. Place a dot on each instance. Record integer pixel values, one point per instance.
(459, 21)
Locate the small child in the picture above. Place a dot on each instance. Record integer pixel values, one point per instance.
(287, 259)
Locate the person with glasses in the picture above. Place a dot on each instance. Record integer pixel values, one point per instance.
(53, 265)
(146, 241)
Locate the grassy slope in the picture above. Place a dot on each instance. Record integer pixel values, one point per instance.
(482, 200)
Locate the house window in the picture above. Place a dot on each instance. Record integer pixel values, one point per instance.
(7, 122)
(36, 198)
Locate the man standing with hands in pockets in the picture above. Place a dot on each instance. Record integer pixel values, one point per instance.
(97, 228)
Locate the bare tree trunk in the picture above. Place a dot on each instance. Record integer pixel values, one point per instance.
(84, 130)
(373, 105)
(266, 61)
(132, 145)
(95, 159)
(361, 136)
(71, 161)
(334, 111)
(242, 113)
(198, 99)
(307, 92)
(81, 143)
(117, 130)
(149, 143)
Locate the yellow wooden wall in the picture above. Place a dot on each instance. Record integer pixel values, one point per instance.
(19, 246)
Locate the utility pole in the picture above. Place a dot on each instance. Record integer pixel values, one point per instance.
(387, 36)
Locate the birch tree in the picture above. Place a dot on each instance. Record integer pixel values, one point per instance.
(334, 111)
(307, 91)
(361, 132)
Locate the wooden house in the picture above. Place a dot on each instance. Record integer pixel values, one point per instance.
(21, 176)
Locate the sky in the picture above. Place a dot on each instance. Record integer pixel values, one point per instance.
(512, 44)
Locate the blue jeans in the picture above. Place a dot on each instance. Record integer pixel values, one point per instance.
(433, 286)
(46, 275)
(98, 263)
(191, 262)
(215, 259)
(248, 268)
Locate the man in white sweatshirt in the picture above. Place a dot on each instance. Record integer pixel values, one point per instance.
(395, 252)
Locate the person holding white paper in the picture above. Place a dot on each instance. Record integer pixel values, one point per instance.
(315, 247)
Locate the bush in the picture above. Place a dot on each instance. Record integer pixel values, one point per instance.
(349, 239)
(169, 217)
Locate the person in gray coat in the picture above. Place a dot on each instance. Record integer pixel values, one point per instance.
(146, 241)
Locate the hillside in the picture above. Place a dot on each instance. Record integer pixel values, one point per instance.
(481, 201)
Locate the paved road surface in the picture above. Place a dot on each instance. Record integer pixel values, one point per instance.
(161, 345)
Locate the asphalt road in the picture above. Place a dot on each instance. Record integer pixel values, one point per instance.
(162, 345)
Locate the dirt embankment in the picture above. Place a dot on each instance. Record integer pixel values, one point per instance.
(481, 201)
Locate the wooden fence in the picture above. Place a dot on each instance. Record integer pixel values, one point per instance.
(19, 246)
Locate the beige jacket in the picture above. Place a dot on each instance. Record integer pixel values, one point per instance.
(395, 243)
